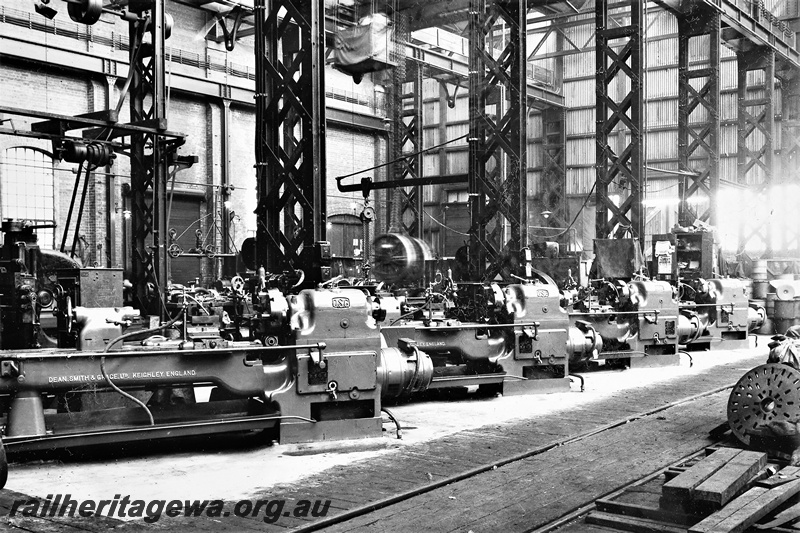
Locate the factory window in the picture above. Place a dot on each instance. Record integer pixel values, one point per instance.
(27, 189)
(457, 197)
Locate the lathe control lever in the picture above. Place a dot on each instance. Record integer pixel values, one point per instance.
(316, 356)
(9, 369)
(532, 331)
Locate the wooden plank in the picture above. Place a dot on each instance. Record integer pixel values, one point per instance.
(682, 486)
(726, 482)
(785, 516)
(748, 509)
(745, 499)
(674, 471)
(786, 475)
(645, 511)
(629, 523)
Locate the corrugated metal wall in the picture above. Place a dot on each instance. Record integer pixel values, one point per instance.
(575, 80)
(661, 109)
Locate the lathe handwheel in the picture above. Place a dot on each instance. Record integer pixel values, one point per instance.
(237, 283)
(765, 394)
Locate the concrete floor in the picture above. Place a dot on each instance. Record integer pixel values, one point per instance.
(246, 472)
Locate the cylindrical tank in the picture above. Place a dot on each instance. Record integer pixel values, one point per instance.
(771, 297)
(785, 315)
(759, 270)
(760, 289)
(399, 258)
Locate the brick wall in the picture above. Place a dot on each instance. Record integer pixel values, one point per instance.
(35, 86)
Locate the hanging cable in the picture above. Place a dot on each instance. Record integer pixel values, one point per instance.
(575, 219)
(122, 338)
(444, 226)
(404, 156)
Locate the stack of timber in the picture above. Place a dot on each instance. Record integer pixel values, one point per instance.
(726, 491)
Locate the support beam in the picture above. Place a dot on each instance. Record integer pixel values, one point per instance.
(150, 155)
(755, 134)
(620, 161)
(552, 195)
(397, 204)
(698, 102)
(497, 136)
(790, 157)
(290, 131)
(409, 165)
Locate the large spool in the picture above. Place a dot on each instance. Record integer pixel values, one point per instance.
(399, 258)
(766, 394)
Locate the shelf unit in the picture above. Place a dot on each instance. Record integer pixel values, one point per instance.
(692, 256)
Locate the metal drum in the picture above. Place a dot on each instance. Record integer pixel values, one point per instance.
(785, 315)
(796, 311)
(770, 306)
(759, 270)
(760, 289)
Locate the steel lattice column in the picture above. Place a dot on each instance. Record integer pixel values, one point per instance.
(396, 205)
(410, 141)
(619, 57)
(290, 124)
(554, 173)
(149, 160)
(698, 102)
(756, 124)
(790, 153)
(497, 137)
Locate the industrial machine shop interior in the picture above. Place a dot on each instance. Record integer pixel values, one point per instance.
(316, 235)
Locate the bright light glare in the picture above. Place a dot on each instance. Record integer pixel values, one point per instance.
(771, 215)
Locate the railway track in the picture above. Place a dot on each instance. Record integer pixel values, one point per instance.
(571, 516)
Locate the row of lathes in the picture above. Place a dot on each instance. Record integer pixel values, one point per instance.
(310, 359)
